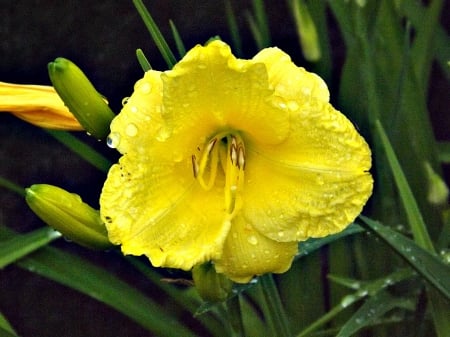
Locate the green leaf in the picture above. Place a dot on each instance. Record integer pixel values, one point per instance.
(312, 245)
(444, 152)
(371, 311)
(6, 330)
(233, 28)
(82, 149)
(370, 288)
(156, 34)
(428, 265)
(79, 274)
(21, 245)
(143, 61)
(413, 214)
(178, 41)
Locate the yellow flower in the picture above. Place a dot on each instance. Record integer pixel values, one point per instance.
(37, 104)
(231, 161)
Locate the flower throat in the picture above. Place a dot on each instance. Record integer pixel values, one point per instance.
(227, 150)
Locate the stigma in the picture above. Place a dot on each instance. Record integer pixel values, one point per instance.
(223, 154)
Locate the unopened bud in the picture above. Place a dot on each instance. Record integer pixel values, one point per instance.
(437, 189)
(68, 214)
(80, 96)
(211, 286)
(39, 105)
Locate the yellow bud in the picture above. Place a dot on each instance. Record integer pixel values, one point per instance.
(211, 286)
(39, 105)
(68, 214)
(80, 96)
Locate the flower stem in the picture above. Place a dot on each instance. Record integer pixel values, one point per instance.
(276, 315)
(235, 317)
(12, 186)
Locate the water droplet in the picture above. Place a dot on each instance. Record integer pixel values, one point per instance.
(347, 300)
(162, 134)
(145, 88)
(292, 105)
(125, 100)
(131, 130)
(282, 105)
(113, 140)
(133, 109)
(253, 240)
(281, 234)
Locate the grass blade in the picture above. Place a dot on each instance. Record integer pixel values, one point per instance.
(143, 61)
(428, 265)
(371, 311)
(21, 245)
(82, 149)
(6, 329)
(178, 41)
(413, 214)
(79, 274)
(156, 34)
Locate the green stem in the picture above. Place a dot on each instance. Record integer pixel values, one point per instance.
(275, 309)
(81, 149)
(12, 186)
(233, 307)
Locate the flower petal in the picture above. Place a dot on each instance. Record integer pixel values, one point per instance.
(136, 127)
(317, 179)
(210, 90)
(247, 253)
(152, 207)
(39, 105)
(290, 81)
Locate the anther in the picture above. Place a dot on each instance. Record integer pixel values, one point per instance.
(195, 167)
(241, 157)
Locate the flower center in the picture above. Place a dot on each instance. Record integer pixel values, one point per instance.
(226, 149)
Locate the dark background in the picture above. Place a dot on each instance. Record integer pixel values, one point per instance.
(101, 37)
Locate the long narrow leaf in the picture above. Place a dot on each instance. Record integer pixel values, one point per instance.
(413, 214)
(21, 245)
(82, 149)
(428, 265)
(371, 311)
(6, 329)
(156, 34)
(81, 275)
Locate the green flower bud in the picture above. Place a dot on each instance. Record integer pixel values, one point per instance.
(307, 31)
(68, 214)
(211, 286)
(80, 96)
(437, 189)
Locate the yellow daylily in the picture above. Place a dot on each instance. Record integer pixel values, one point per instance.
(39, 105)
(231, 161)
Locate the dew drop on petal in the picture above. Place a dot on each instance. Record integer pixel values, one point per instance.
(252, 240)
(162, 134)
(280, 234)
(145, 88)
(131, 130)
(133, 109)
(125, 100)
(292, 105)
(113, 140)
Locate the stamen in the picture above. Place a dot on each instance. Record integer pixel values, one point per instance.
(231, 155)
(241, 156)
(195, 167)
